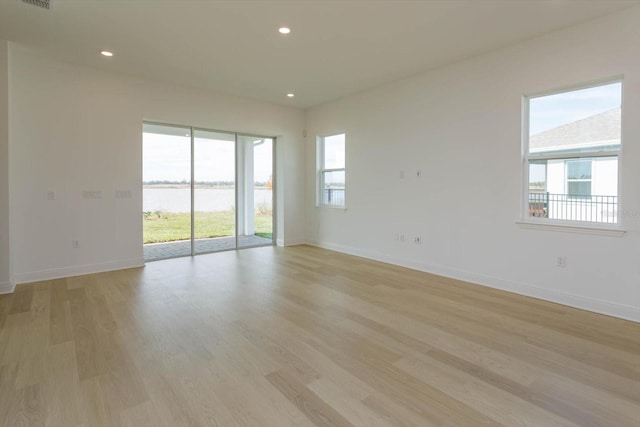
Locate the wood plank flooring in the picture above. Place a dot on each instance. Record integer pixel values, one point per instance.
(302, 336)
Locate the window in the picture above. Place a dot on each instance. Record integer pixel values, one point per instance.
(571, 154)
(331, 170)
(579, 178)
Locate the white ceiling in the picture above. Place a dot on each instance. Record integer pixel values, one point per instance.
(336, 47)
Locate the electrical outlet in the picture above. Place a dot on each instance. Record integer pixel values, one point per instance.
(417, 240)
(401, 238)
(401, 174)
(561, 261)
(51, 195)
(75, 244)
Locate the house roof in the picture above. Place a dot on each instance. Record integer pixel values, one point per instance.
(597, 130)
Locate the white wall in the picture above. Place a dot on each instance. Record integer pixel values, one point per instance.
(461, 126)
(76, 128)
(604, 173)
(556, 177)
(5, 274)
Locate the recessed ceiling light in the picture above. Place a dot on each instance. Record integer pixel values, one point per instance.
(284, 30)
(106, 53)
(290, 95)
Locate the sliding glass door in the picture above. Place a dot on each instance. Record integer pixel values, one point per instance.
(166, 191)
(205, 191)
(214, 192)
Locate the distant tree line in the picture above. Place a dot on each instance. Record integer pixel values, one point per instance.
(267, 184)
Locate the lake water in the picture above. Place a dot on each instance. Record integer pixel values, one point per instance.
(206, 199)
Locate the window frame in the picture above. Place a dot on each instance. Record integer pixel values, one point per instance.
(321, 170)
(589, 227)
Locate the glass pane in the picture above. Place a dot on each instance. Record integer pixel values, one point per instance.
(579, 188)
(579, 169)
(214, 191)
(166, 191)
(537, 176)
(255, 195)
(538, 188)
(576, 121)
(334, 152)
(574, 189)
(333, 188)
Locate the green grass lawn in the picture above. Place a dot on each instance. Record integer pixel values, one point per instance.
(169, 227)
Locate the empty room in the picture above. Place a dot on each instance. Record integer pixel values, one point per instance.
(320, 213)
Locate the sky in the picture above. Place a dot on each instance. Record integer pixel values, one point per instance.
(548, 112)
(168, 158)
(334, 152)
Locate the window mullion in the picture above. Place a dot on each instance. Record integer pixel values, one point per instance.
(568, 156)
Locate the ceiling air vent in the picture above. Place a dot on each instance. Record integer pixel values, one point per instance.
(40, 3)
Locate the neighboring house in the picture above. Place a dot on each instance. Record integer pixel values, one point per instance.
(581, 188)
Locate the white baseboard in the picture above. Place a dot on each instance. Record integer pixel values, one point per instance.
(59, 273)
(291, 242)
(596, 306)
(294, 242)
(6, 288)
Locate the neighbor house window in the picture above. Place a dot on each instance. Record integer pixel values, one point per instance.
(579, 178)
(571, 154)
(331, 170)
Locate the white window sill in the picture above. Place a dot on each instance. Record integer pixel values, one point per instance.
(612, 231)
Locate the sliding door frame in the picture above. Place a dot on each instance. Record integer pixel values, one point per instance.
(274, 185)
(193, 192)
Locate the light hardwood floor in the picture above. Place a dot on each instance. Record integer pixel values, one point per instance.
(302, 336)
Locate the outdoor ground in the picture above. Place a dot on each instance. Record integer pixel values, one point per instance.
(169, 227)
